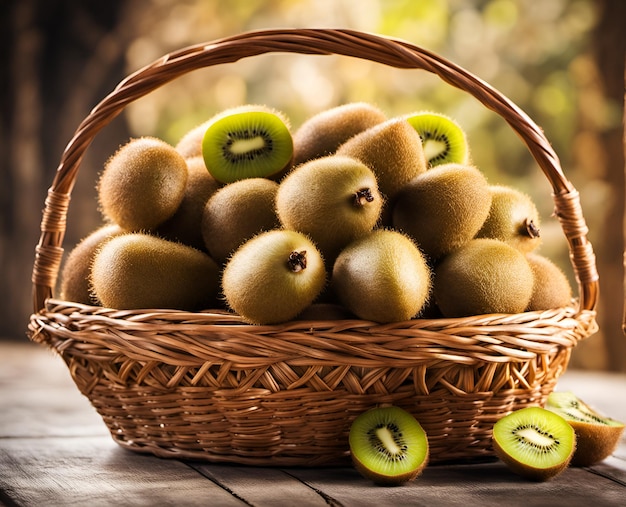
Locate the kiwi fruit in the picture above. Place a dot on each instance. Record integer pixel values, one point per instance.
(77, 267)
(321, 134)
(483, 276)
(249, 141)
(388, 445)
(392, 149)
(142, 184)
(382, 277)
(443, 208)
(333, 199)
(597, 436)
(273, 277)
(185, 225)
(237, 212)
(138, 270)
(443, 139)
(551, 288)
(513, 218)
(190, 145)
(534, 442)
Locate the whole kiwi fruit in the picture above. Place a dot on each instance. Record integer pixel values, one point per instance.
(551, 288)
(237, 212)
(483, 276)
(534, 442)
(77, 267)
(388, 445)
(333, 199)
(138, 270)
(392, 149)
(382, 277)
(321, 134)
(185, 226)
(513, 218)
(190, 145)
(597, 436)
(273, 277)
(250, 141)
(443, 208)
(443, 139)
(142, 184)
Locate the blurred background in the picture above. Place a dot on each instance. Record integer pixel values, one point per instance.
(561, 61)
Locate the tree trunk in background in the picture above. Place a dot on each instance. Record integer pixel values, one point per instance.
(61, 58)
(610, 50)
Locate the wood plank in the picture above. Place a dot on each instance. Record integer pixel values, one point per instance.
(95, 471)
(488, 485)
(263, 486)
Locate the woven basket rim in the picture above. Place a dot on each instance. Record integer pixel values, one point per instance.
(314, 41)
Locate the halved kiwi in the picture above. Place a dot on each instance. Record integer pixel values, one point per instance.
(388, 445)
(597, 435)
(247, 142)
(443, 139)
(534, 442)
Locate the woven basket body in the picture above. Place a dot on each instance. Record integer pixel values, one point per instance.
(206, 385)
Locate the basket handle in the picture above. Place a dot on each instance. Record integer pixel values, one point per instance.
(384, 50)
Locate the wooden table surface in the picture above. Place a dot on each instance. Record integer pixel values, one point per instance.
(56, 451)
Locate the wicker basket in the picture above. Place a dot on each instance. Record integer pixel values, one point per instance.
(206, 385)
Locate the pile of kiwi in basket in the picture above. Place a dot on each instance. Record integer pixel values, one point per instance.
(353, 215)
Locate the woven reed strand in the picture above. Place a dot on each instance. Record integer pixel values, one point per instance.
(206, 385)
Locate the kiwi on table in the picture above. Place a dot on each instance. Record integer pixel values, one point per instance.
(597, 436)
(382, 277)
(190, 145)
(483, 276)
(443, 139)
(185, 225)
(513, 218)
(551, 288)
(392, 149)
(333, 199)
(237, 212)
(138, 270)
(388, 445)
(249, 141)
(321, 134)
(77, 267)
(273, 277)
(534, 442)
(142, 184)
(443, 208)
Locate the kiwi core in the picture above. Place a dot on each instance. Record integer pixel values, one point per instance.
(540, 440)
(246, 145)
(384, 441)
(434, 149)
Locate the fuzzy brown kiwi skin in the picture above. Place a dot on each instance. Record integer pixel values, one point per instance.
(77, 267)
(185, 225)
(323, 133)
(551, 288)
(142, 184)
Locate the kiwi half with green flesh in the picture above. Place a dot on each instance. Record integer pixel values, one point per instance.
(534, 442)
(237, 212)
(273, 277)
(321, 134)
(388, 445)
(333, 199)
(513, 218)
(77, 267)
(443, 208)
(137, 270)
(142, 184)
(392, 150)
(597, 436)
(185, 225)
(382, 277)
(483, 276)
(443, 139)
(247, 142)
(551, 288)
